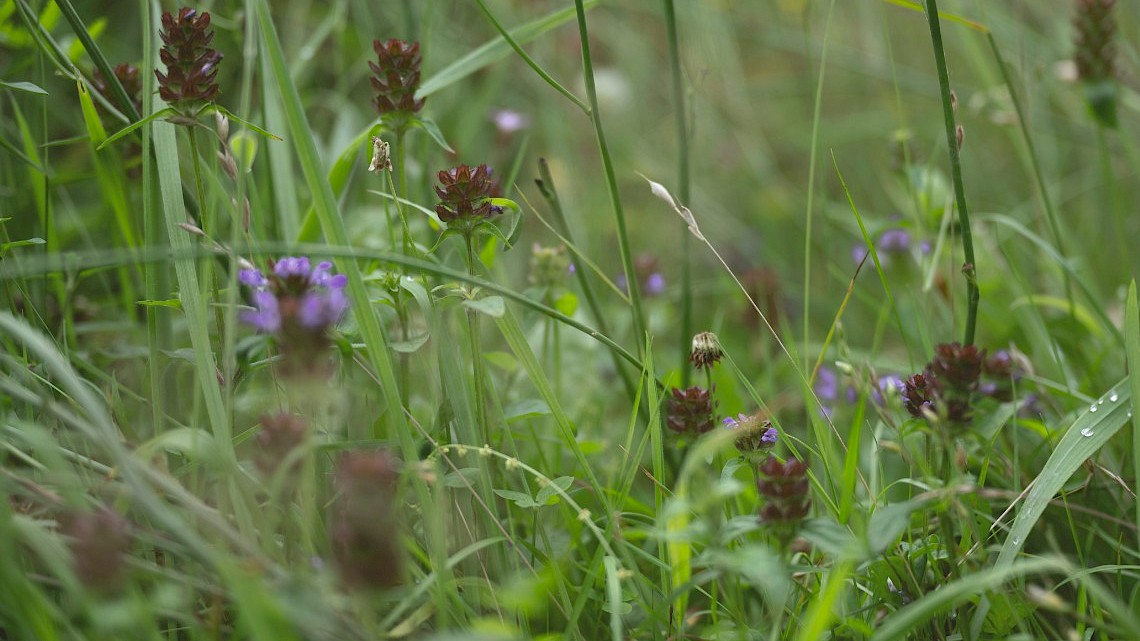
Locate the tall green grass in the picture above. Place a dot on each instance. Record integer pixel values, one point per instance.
(541, 492)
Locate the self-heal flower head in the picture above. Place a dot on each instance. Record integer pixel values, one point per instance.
(191, 63)
(396, 78)
(1095, 57)
(754, 436)
(296, 302)
(689, 411)
(465, 195)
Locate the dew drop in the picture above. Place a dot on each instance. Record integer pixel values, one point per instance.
(1016, 541)
(1129, 413)
(1092, 408)
(1088, 431)
(1113, 397)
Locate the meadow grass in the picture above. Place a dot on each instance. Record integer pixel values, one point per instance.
(488, 415)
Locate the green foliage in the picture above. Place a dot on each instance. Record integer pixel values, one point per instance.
(480, 446)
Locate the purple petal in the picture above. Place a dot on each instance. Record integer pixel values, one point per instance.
(253, 278)
(894, 241)
(655, 284)
(827, 384)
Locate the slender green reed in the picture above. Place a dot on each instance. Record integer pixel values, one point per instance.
(973, 294)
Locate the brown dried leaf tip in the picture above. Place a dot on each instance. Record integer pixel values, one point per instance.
(396, 77)
(689, 411)
(1095, 56)
(465, 193)
(363, 529)
(191, 64)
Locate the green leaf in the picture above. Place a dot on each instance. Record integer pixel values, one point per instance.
(21, 243)
(567, 304)
(245, 123)
(903, 623)
(493, 306)
(1132, 355)
(172, 303)
(161, 113)
(23, 86)
(1092, 429)
(504, 361)
(521, 499)
(432, 129)
(410, 345)
(887, 524)
(549, 494)
(524, 409)
(465, 477)
(244, 148)
(193, 443)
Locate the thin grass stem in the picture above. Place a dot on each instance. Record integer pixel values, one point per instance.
(973, 294)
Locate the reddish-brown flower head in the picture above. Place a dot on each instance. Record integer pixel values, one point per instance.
(690, 411)
(464, 194)
(1095, 56)
(918, 395)
(784, 487)
(98, 540)
(957, 367)
(191, 64)
(396, 77)
(363, 529)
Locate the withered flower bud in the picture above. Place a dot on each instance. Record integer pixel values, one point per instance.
(706, 350)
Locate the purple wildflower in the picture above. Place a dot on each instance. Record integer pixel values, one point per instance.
(297, 303)
(754, 437)
(894, 241)
(827, 384)
(885, 387)
(508, 121)
(655, 284)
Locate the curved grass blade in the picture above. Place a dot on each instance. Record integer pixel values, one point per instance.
(1088, 433)
(908, 619)
(494, 50)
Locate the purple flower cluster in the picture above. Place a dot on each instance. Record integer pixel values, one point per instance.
(754, 436)
(828, 389)
(295, 296)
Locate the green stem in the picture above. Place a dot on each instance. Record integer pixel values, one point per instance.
(476, 352)
(632, 284)
(683, 185)
(972, 292)
(546, 186)
(401, 160)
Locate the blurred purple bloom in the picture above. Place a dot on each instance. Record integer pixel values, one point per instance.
(885, 387)
(655, 284)
(894, 241)
(295, 294)
(508, 121)
(770, 436)
(733, 423)
(827, 384)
